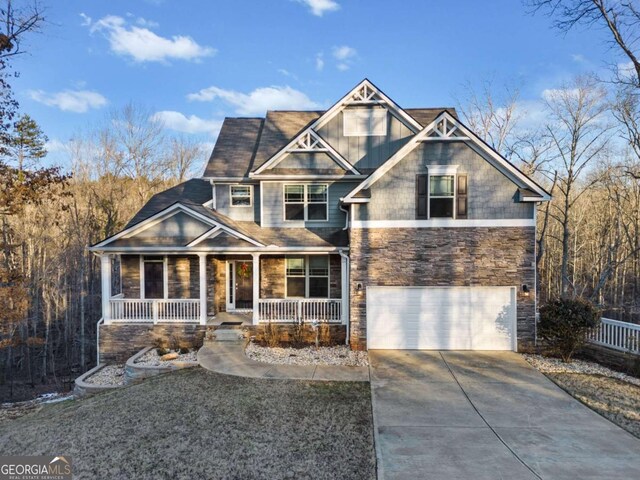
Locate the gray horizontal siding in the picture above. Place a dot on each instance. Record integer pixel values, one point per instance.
(223, 204)
(309, 161)
(366, 153)
(273, 205)
(491, 195)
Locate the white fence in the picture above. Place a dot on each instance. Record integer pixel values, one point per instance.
(295, 310)
(133, 310)
(618, 335)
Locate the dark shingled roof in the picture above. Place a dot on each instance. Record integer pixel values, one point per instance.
(244, 144)
(425, 116)
(197, 191)
(235, 148)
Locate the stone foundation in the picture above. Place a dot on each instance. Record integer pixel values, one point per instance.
(467, 256)
(119, 342)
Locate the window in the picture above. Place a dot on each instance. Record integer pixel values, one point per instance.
(359, 122)
(441, 196)
(308, 276)
(241, 195)
(153, 277)
(306, 202)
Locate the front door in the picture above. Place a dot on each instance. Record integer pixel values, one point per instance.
(241, 281)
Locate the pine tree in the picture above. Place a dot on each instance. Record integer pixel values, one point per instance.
(27, 144)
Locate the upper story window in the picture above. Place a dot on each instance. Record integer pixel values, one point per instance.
(241, 195)
(359, 122)
(306, 202)
(441, 196)
(441, 193)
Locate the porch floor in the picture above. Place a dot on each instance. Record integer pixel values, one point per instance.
(221, 317)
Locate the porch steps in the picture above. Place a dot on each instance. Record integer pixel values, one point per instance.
(228, 334)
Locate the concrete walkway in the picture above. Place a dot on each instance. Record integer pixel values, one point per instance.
(487, 415)
(229, 358)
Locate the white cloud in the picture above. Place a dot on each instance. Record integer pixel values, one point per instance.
(259, 100)
(319, 61)
(86, 20)
(578, 58)
(320, 7)
(143, 22)
(143, 45)
(54, 146)
(192, 124)
(78, 101)
(345, 56)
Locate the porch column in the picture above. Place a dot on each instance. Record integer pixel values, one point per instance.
(203, 288)
(344, 294)
(105, 271)
(256, 287)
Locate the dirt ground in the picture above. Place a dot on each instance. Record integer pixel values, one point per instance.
(614, 399)
(198, 424)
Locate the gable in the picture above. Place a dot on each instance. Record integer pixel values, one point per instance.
(491, 195)
(446, 128)
(180, 226)
(366, 153)
(224, 240)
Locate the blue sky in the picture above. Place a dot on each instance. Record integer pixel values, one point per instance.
(193, 62)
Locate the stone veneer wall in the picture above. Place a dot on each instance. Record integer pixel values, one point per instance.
(272, 272)
(183, 276)
(467, 256)
(130, 272)
(119, 342)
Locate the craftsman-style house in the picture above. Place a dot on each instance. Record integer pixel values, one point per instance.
(399, 227)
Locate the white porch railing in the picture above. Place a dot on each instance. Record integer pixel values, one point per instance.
(134, 310)
(617, 335)
(291, 310)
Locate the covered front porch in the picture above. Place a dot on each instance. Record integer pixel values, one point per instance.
(215, 288)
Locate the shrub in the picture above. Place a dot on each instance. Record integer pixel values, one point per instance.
(564, 324)
(297, 334)
(271, 335)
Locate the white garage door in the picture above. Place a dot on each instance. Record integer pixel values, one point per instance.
(441, 318)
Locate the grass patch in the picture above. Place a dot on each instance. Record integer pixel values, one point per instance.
(199, 424)
(614, 399)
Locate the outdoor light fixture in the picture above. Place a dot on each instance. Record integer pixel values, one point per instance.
(525, 290)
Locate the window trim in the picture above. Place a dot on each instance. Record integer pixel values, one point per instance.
(369, 132)
(305, 202)
(231, 205)
(442, 171)
(165, 275)
(307, 276)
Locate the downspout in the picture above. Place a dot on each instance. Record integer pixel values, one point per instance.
(345, 279)
(345, 276)
(100, 322)
(213, 194)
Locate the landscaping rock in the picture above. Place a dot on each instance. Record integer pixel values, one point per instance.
(340, 355)
(169, 356)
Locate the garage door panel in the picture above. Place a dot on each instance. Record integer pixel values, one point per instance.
(460, 318)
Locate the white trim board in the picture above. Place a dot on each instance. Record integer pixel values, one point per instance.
(444, 223)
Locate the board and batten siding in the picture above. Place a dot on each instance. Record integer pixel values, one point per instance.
(243, 214)
(367, 152)
(491, 195)
(273, 204)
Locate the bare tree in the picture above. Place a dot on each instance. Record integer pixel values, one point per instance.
(579, 135)
(183, 157)
(620, 18)
(494, 118)
(15, 22)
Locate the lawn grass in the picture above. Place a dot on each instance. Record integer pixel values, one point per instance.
(199, 424)
(614, 399)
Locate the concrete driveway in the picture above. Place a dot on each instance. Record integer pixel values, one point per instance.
(487, 415)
